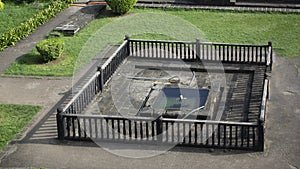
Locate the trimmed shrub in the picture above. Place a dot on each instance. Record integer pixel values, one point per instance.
(1, 5)
(121, 7)
(50, 49)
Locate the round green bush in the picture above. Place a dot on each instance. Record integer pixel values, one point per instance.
(50, 49)
(1, 5)
(121, 6)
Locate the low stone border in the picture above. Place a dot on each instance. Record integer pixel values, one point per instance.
(225, 8)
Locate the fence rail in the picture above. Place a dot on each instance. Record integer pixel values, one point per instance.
(205, 51)
(112, 64)
(95, 84)
(71, 124)
(84, 96)
(199, 133)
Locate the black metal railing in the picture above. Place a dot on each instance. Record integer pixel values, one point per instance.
(163, 49)
(113, 62)
(71, 124)
(83, 97)
(95, 84)
(199, 133)
(204, 51)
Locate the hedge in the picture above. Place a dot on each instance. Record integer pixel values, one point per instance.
(120, 7)
(15, 34)
(1, 5)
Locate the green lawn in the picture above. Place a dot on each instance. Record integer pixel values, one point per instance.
(12, 120)
(232, 27)
(14, 14)
(282, 29)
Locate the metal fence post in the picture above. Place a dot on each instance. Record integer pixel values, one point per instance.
(100, 78)
(271, 55)
(198, 49)
(60, 123)
(159, 130)
(261, 133)
(128, 44)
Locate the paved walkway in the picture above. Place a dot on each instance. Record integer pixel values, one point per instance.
(282, 137)
(282, 141)
(44, 92)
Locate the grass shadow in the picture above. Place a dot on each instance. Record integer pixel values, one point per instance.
(32, 58)
(92, 9)
(106, 14)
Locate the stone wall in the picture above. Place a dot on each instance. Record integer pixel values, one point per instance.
(271, 1)
(212, 2)
(231, 2)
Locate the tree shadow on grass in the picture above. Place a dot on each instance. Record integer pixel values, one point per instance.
(93, 9)
(107, 14)
(34, 58)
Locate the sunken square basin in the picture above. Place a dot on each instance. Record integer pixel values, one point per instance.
(181, 99)
(181, 102)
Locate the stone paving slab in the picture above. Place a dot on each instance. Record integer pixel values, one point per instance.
(32, 91)
(80, 19)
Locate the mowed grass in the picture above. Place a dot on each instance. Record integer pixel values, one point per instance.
(218, 26)
(255, 28)
(14, 14)
(12, 120)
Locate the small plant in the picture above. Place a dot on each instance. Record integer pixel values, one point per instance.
(54, 34)
(1, 5)
(50, 49)
(121, 7)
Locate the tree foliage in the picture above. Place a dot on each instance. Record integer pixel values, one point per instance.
(121, 7)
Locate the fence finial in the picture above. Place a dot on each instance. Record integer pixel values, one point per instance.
(59, 110)
(127, 37)
(98, 68)
(270, 43)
